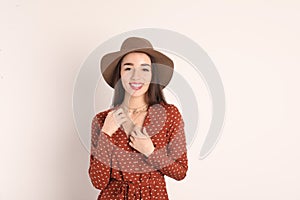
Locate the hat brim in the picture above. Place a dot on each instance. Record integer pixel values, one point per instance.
(165, 65)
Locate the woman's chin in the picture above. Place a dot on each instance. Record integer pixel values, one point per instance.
(134, 93)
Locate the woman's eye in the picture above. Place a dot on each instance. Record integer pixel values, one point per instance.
(146, 70)
(127, 69)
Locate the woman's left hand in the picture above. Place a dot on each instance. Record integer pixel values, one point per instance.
(141, 141)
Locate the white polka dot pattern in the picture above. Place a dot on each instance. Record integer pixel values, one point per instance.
(120, 172)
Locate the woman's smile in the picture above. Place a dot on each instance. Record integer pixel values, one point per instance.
(136, 85)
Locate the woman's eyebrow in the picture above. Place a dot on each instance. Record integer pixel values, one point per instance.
(131, 64)
(145, 64)
(128, 64)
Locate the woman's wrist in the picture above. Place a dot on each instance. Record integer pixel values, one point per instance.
(150, 152)
(106, 132)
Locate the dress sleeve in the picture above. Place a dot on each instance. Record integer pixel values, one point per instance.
(171, 160)
(100, 155)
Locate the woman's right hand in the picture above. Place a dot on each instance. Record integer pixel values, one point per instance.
(113, 121)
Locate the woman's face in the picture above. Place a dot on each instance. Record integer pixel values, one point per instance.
(136, 73)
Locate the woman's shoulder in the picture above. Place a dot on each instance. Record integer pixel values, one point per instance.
(170, 107)
(100, 116)
(174, 115)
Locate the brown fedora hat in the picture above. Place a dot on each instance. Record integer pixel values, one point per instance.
(136, 44)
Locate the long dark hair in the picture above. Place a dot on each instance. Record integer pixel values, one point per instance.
(154, 93)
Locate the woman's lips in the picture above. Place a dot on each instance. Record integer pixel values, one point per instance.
(136, 86)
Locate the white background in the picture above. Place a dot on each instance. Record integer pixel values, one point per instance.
(254, 45)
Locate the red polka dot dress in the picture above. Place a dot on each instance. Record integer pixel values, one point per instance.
(121, 172)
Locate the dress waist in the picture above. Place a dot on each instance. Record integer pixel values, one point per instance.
(134, 190)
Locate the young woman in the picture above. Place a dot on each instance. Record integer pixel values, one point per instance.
(141, 138)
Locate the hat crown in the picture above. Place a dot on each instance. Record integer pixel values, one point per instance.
(135, 43)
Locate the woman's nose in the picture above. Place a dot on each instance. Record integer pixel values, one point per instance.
(135, 74)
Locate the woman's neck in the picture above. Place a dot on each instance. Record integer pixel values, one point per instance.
(134, 102)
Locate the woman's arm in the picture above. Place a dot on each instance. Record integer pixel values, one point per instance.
(172, 159)
(100, 156)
